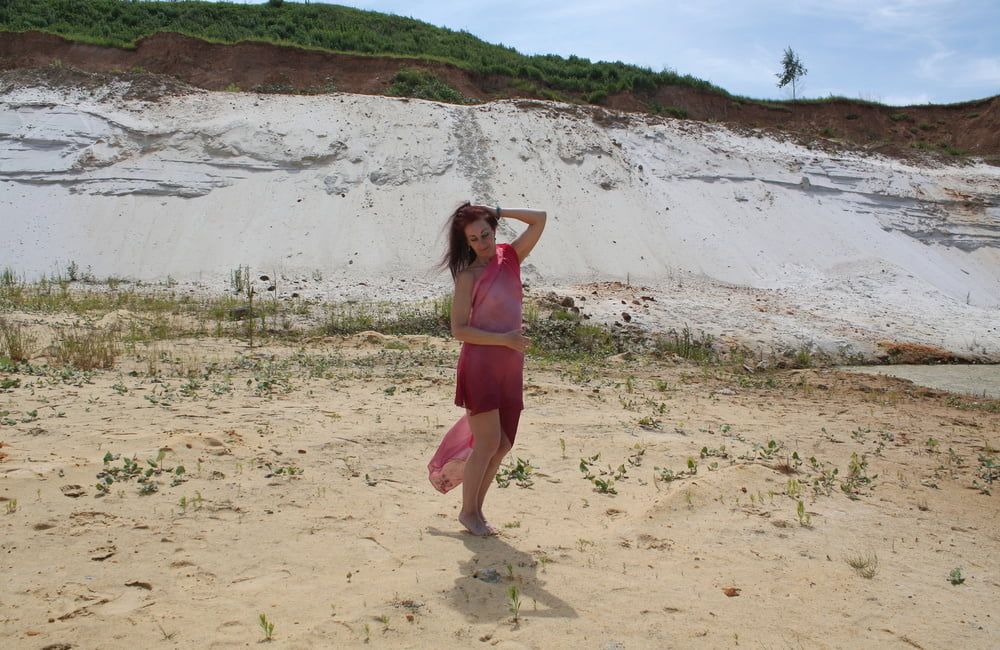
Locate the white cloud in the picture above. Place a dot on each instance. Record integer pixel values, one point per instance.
(954, 69)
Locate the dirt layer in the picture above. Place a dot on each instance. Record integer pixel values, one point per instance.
(971, 128)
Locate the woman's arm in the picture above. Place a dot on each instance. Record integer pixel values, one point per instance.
(527, 239)
(461, 306)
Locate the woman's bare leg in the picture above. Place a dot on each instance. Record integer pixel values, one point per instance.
(486, 437)
(491, 472)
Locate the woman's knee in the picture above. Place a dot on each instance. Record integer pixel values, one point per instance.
(504, 447)
(486, 432)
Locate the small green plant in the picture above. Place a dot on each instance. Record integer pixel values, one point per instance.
(955, 577)
(762, 452)
(864, 564)
(514, 602)
(987, 472)
(266, 626)
(519, 472)
(288, 470)
(857, 476)
(900, 117)
(130, 469)
(805, 519)
(562, 447)
(12, 506)
(666, 475)
(604, 486)
(650, 423)
(719, 452)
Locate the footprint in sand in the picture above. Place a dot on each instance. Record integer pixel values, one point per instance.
(261, 582)
(73, 490)
(195, 581)
(123, 603)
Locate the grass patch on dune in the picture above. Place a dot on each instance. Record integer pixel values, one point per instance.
(88, 349)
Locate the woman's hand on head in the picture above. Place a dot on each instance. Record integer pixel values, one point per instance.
(516, 340)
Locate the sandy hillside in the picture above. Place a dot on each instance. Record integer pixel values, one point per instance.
(304, 497)
(735, 232)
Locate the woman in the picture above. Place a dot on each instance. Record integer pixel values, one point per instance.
(486, 317)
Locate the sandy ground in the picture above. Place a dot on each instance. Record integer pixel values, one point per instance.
(983, 381)
(306, 499)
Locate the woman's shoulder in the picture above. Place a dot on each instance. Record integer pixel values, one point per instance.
(508, 252)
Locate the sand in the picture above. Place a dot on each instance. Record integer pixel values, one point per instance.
(304, 494)
(306, 499)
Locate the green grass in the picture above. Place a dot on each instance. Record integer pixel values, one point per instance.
(433, 318)
(326, 27)
(411, 82)
(673, 111)
(685, 344)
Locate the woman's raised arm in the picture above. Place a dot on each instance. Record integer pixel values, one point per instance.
(536, 224)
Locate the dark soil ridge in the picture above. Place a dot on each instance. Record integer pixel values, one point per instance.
(951, 131)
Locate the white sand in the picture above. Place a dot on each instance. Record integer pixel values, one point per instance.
(737, 234)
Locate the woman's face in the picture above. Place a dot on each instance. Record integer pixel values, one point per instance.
(480, 238)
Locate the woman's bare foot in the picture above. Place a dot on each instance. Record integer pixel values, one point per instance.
(490, 527)
(474, 525)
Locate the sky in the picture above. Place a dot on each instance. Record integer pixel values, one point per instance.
(897, 52)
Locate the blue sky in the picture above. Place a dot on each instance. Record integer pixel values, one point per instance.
(894, 51)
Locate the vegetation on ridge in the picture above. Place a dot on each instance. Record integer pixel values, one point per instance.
(328, 27)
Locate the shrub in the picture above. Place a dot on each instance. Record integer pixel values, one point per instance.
(597, 97)
(422, 84)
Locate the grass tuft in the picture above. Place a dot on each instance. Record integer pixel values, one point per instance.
(16, 343)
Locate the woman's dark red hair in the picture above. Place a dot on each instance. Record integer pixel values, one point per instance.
(459, 254)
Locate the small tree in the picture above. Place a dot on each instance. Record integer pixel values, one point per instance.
(276, 3)
(792, 70)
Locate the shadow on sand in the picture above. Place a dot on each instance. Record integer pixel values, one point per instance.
(482, 601)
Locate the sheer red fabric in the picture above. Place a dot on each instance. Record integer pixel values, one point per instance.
(489, 376)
